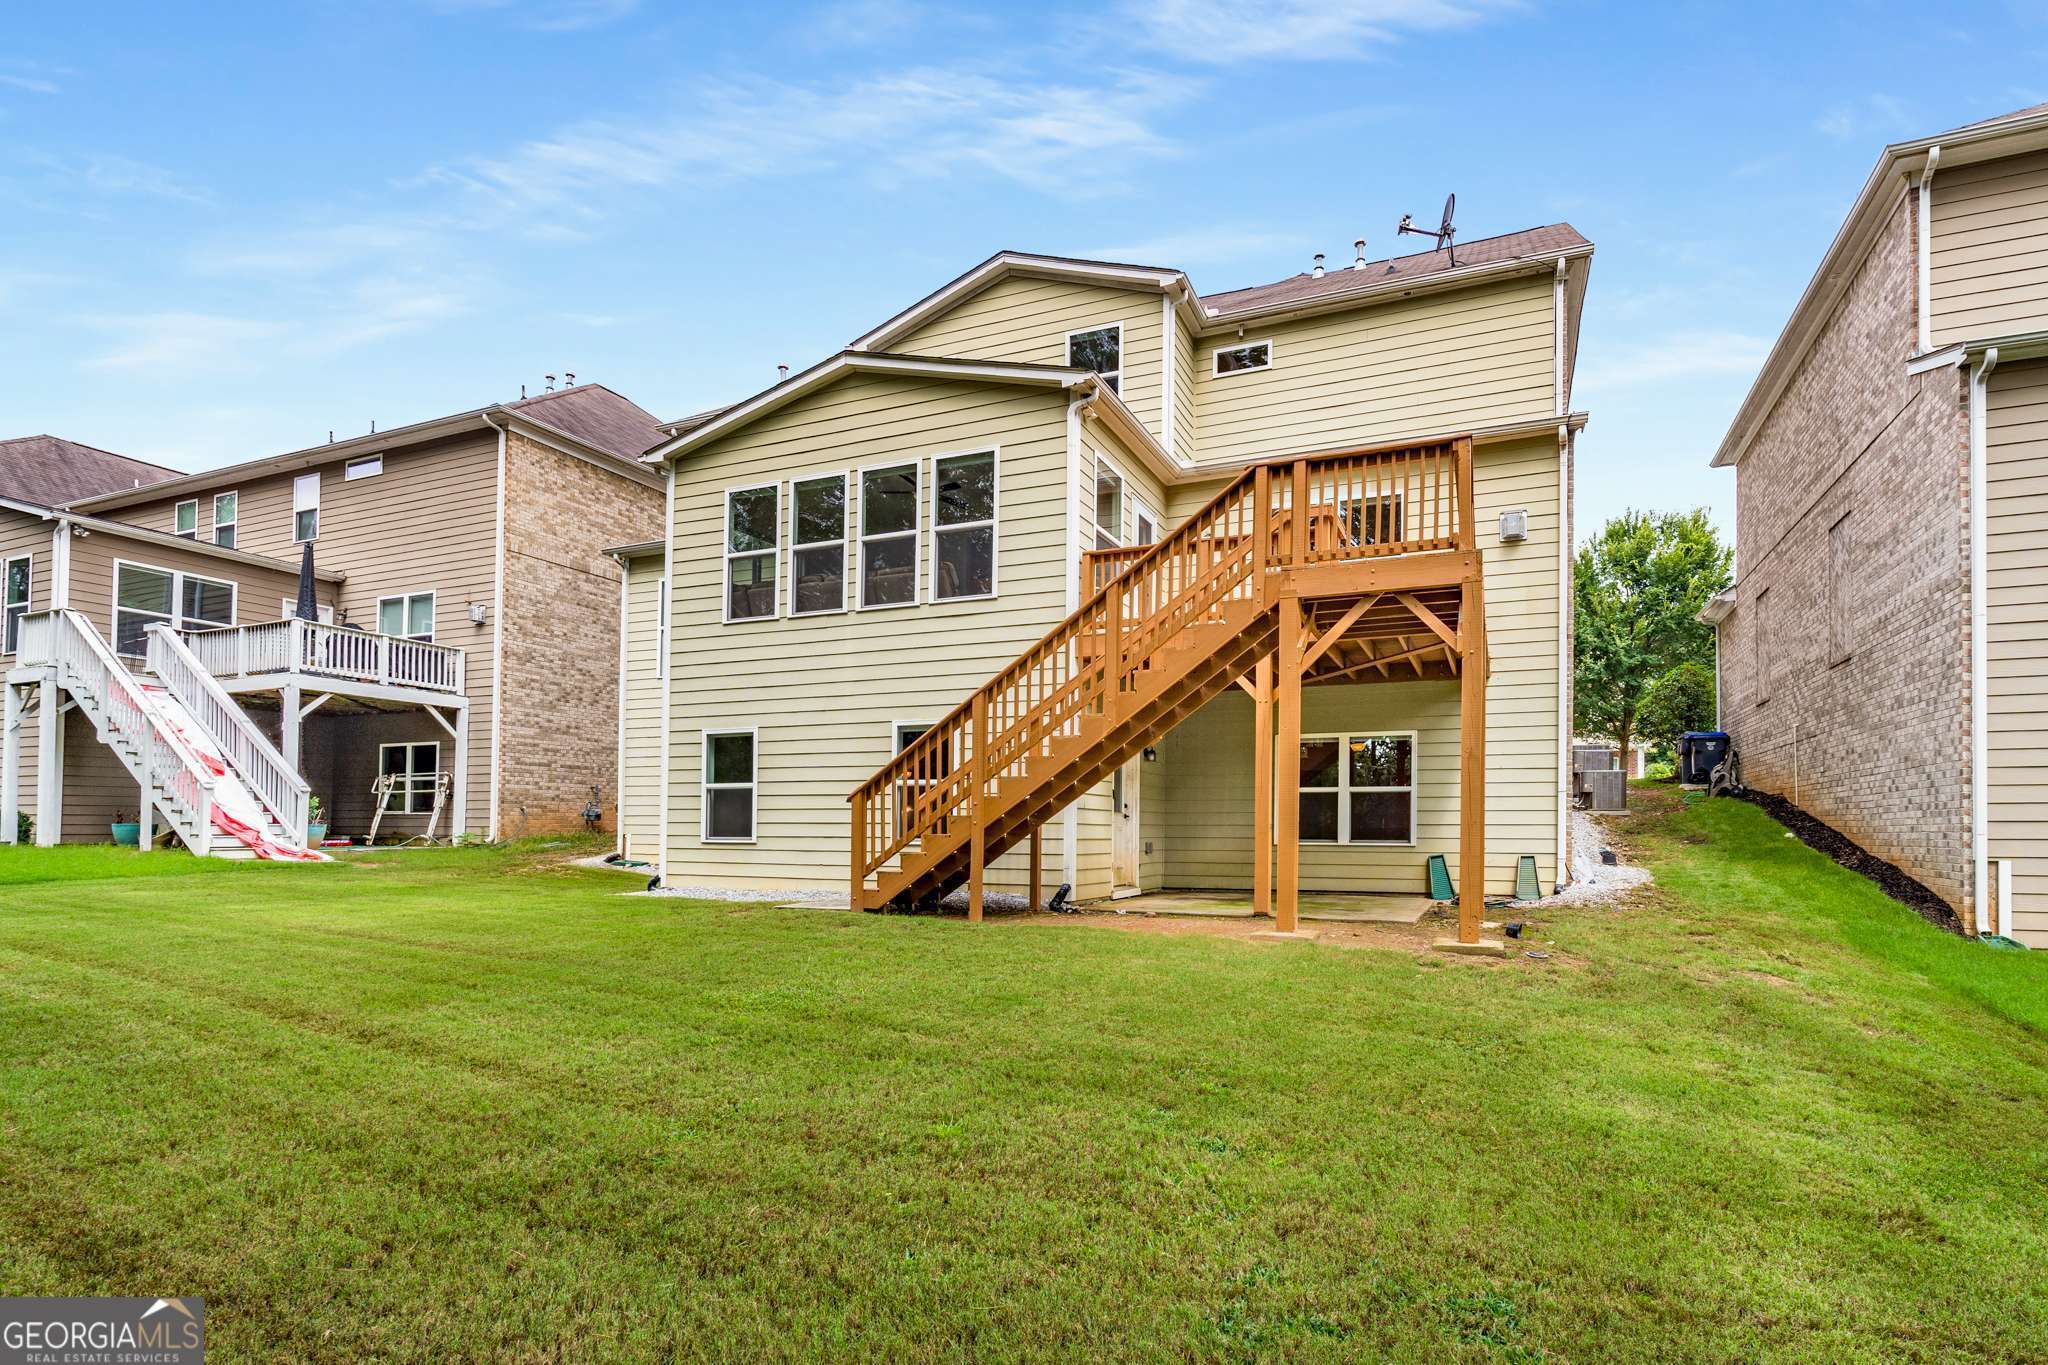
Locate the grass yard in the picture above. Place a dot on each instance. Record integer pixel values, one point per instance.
(475, 1105)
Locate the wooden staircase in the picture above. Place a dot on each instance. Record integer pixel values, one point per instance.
(1168, 628)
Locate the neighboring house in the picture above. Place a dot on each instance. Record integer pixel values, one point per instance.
(854, 554)
(1883, 658)
(468, 616)
(1638, 752)
(50, 471)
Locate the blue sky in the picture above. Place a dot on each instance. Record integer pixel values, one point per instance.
(224, 233)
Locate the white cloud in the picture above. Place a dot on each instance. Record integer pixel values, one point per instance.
(1297, 30)
(33, 84)
(172, 345)
(111, 174)
(1677, 355)
(1868, 117)
(1200, 246)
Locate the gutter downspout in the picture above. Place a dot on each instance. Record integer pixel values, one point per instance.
(619, 766)
(497, 640)
(1980, 651)
(664, 667)
(1925, 248)
(1564, 577)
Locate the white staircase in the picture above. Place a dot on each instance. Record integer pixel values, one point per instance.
(209, 772)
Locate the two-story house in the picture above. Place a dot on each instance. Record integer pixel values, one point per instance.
(1067, 572)
(1884, 654)
(461, 653)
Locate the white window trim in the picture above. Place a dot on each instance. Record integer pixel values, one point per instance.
(1117, 537)
(28, 600)
(357, 468)
(860, 540)
(407, 598)
(232, 522)
(1216, 370)
(288, 609)
(192, 534)
(412, 774)
(774, 552)
(1141, 511)
(706, 787)
(297, 481)
(178, 620)
(1344, 789)
(1118, 373)
(845, 541)
(995, 536)
(896, 733)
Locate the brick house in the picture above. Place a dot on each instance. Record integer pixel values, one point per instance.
(464, 653)
(1892, 490)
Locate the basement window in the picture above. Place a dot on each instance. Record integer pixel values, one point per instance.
(729, 786)
(1253, 355)
(817, 540)
(414, 770)
(1100, 349)
(750, 544)
(964, 526)
(1358, 789)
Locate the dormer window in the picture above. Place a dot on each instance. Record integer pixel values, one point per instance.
(1100, 349)
(1252, 355)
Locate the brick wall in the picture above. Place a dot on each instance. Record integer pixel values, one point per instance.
(561, 634)
(1875, 743)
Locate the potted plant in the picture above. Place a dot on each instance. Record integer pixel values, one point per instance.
(316, 822)
(126, 832)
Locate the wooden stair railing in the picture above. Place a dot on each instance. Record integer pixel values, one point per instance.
(1077, 683)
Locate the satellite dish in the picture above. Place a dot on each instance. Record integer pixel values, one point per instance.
(1446, 232)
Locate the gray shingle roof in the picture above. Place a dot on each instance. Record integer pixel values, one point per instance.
(51, 470)
(594, 414)
(1306, 288)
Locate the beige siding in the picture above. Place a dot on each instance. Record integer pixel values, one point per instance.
(258, 591)
(2016, 581)
(824, 690)
(1447, 362)
(428, 523)
(640, 693)
(1185, 443)
(22, 533)
(1990, 249)
(1028, 320)
(1205, 770)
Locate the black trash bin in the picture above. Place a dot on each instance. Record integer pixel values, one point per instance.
(1699, 753)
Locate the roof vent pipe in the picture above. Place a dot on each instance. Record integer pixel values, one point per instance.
(1359, 246)
(1317, 273)
(781, 373)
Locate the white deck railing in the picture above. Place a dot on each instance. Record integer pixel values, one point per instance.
(327, 651)
(262, 768)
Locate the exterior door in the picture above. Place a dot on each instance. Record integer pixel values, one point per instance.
(1124, 847)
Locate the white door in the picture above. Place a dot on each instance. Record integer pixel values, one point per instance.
(1124, 846)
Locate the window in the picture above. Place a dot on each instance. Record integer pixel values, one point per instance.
(369, 467)
(144, 596)
(411, 616)
(414, 770)
(1253, 355)
(1358, 789)
(817, 545)
(306, 507)
(964, 526)
(226, 507)
(185, 519)
(1144, 528)
(1763, 647)
(729, 786)
(15, 577)
(1109, 508)
(1841, 591)
(888, 536)
(750, 552)
(288, 607)
(1100, 349)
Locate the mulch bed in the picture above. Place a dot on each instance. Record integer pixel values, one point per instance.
(1834, 844)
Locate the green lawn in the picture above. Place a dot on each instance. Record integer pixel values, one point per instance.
(473, 1105)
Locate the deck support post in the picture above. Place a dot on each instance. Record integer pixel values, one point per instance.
(1037, 891)
(288, 725)
(145, 809)
(49, 765)
(857, 852)
(10, 765)
(1287, 769)
(1472, 765)
(977, 803)
(1262, 786)
(458, 828)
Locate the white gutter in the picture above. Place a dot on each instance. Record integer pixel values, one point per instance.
(497, 642)
(1980, 798)
(1925, 248)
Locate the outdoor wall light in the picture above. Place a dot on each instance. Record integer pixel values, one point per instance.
(1151, 755)
(477, 612)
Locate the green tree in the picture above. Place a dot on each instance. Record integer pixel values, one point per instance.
(1682, 699)
(1637, 591)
